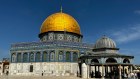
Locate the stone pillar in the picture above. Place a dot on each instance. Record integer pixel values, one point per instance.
(57, 55)
(41, 57)
(22, 56)
(130, 69)
(97, 68)
(84, 70)
(102, 72)
(34, 56)
(2, 69)
(120, 77)
(88, 72)
(64, 56)
(15, 58)
(48, 56)
(28, 57)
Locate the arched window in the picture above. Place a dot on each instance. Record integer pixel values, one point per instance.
(52, 56)
(31, 57)
(111, 60)
(94, 60)
(60, 56)
(45, 58)
(75, 57)
(38, 57)
(13, 57)
(126, 61)
(19, 57)
(25, 57)
(68, 57)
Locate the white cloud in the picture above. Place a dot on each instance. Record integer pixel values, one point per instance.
(127, 34)
(137, 11)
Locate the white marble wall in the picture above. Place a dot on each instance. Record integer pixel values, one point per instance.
(48, 69)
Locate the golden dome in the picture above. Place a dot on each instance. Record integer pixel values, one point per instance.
(60, 22)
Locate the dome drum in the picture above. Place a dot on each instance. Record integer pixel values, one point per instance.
(60, 36)
(105, 44)
(104, 49)
(75, 34)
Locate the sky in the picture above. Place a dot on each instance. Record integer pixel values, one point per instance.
(20, 21)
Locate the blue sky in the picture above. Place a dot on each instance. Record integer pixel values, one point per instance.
(20, 21)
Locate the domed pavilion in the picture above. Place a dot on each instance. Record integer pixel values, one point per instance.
(106, 61)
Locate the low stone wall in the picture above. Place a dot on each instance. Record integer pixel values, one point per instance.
(44, 68)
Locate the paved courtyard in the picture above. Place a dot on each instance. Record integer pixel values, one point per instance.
(38, 77)
(41, 77)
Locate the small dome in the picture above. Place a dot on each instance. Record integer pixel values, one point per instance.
(105, 42)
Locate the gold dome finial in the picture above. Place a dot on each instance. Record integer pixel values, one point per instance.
(61, 9)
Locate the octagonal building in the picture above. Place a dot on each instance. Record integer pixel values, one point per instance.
(57, 51)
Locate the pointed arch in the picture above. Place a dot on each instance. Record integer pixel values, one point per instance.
(45, 56)
(31, 57)
(38, 57)
(13, 58)
(68, 56)
(60, 56)
(126, 60)
(25, 57)
(111, 60)
(52, 56)
(94, 60)
(18, 57)
(75, 57)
